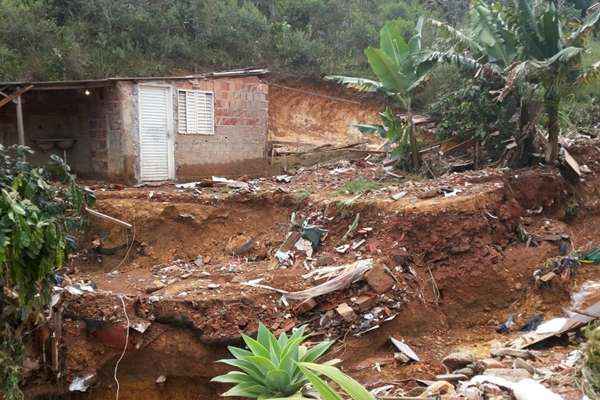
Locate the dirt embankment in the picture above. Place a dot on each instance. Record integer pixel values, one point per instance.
(458, 265)
(318, 113)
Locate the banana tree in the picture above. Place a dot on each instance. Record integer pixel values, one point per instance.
(396, 64)
(485, 50)
(551, 59)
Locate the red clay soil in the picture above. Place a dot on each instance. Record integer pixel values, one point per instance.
(464, 244)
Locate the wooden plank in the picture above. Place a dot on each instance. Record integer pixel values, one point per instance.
(15, 95)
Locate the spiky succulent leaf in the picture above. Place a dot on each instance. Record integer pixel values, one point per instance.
(255, 347)
(246, 366)
(354, 389)
(325, 391)
(245, 390)
(235, 377)
(316, 351)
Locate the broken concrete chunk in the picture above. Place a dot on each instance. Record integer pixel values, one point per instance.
(510, 374)
(528, 389)
(508, 352)
(199, 261)
(364, 302)
(346, 312)
(458, 360)
(379, 279)
(81, 383)
(305, 306)
(404, 348)
(465, 371)
(451, 377)
(487, 363)
(399, 195)
(401, 357)
(522, 364)
(155, 286)
(305, 246)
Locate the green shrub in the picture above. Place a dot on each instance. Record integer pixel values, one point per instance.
(472, 112)
(591, 367)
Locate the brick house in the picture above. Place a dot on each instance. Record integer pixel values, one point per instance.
(144, 129)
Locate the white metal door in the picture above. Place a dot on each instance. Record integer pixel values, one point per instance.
(156, 150)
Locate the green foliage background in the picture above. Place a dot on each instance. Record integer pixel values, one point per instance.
(72, 39)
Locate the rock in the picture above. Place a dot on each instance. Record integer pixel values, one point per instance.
(472, 393)
(402, 358)
(585, 169)
(439, 388)
(458, 360)
(465, 371)
(451, 377)
(346, 312)
(378, 279)
(488, 363)
(305, 306)
(522, 364)
(199, 261)
(240, 245)
(155, 286)
(513, 375)
(365, 302)
(508, 352)
(161, 379)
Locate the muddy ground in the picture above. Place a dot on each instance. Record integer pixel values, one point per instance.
(449, 267)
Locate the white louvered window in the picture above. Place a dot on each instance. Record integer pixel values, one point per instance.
(195, 112)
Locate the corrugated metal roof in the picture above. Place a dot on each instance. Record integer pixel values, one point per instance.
(75, 84)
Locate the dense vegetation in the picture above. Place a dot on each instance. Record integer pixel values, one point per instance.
(70, 39)
(39, 208)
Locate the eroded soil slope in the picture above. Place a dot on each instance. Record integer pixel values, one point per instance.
(187, 287)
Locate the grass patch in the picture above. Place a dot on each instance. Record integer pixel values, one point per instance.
(358, 186)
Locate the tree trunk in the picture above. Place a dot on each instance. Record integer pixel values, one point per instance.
(552, 104)
(414, 149)
(526, 134)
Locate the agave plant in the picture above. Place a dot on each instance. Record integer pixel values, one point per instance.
(269, 368)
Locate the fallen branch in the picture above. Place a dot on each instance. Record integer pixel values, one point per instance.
(353, 272)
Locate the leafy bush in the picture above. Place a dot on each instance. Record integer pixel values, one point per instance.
(36, 218)
(472, 112)
(269, 369)
(591, 368)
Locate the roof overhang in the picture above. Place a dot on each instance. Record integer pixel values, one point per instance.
(94, 83)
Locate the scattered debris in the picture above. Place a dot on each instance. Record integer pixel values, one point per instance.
(405, 349)
(507, 325)
(379, 279)
(346, 312)
(81, 383)
(399, 195)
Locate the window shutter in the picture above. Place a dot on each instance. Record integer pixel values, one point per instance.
(182, 112)
(195, 110)
(191, 107)
(205, 113)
